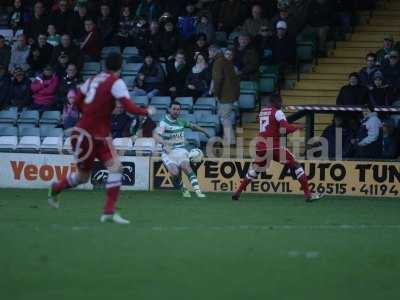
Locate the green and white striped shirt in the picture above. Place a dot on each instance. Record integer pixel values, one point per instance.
(173, 131)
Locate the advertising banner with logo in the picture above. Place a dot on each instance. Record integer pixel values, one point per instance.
(21, 170)
(348, 178)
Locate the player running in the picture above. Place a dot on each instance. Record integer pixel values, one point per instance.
(272, 124)
(91, 138)
(171, 135)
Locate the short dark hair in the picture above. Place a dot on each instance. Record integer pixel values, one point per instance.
(114, 62)
(354, 74)
(174, 103)
(371, 54)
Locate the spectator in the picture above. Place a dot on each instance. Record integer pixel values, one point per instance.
(126, 26)
(226, 88)
(149, 10)
(367, 73)
(353, 93)
(19, 54)
(384, 53)
(5, 52)
(70, 113)
(369, 139)
(17, 17)
(330, 134)
(154, 77)
(252, 25)
(152, 40)
(5, 87)
(76, 27)
(40, 54)
(169, 42)
(246, 59)
(141, 88)
(91, 43)
(61, 17)
(53, 37)
(105, 24)
(187, 23)
(283, 15)
(37, 24)
(206, 27)
(177, 71)
(200, 46)
(229, 55)
(120, 122)
(64, 54)
(345, 10)
(264, 43)
(320, 19)
(68, 82)
(391, 71)
(379, 94)
(231, 14)
(20, 95)
(198, 78)
(44, 89)
(283, 47)
(390, 145)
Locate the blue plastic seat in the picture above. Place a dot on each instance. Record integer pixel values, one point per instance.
(129, 69)
(162, 102)
(91, 68)
(186, 102)
(192, 137)
(142, 101)
(247, 101)
(206, 103)
(107, 50)
(50, 117)
(29, 116)
(8, 116)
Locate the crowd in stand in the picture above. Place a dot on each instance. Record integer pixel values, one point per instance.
(42, 65)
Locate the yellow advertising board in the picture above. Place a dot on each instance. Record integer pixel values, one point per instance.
(350, 178)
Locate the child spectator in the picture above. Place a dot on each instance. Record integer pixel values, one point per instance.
(53, 37)
(20, 94)
(44, 89)
(70, 115)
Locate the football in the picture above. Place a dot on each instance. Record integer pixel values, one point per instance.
(196, 155)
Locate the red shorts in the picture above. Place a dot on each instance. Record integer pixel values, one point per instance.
(266, 153)
(86, 149)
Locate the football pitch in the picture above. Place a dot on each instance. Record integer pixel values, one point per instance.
(263, 247)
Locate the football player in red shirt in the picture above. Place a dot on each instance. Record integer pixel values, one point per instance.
(91, 137)
(273, 125)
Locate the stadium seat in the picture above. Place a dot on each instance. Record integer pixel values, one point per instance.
(124, 144)
(190, 118)
(29, 116)
(159, 115)
(206, 103)
(211, 132)
(50, 117)
(306, 48)
(8, 138)
(130, 52)
(232, 37)
(206, 119)
(29, 139)
(247, 101)
(107, 50)
(49, 131)
(129, 81)
(67, 148)
(186, 102)
(142, 101)
(192, 137)
(8, 116)
(145, 145)
(52, 144)
(161, 102)
(91, 68)
(130, 69)
(249, 87)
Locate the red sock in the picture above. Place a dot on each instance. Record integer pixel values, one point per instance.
(304, 184)
(60, 186)
(243, 184)
(112, 198)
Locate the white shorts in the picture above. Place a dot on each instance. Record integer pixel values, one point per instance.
(175, 157)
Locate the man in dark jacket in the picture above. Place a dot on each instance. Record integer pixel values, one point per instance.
(226, 88)
(68, 82)
(177, 71)
(5, 52)
(5, 86)
(66, 53)
(91, 42)
(37, 24)
(367, 74)
(20, 94)
(391, 72)
(353, 93)
(40, 54)
(283, 47)
(105, 24)
(61, 17)
(246, 59)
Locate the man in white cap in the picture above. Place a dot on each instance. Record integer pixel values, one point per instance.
(284, 47)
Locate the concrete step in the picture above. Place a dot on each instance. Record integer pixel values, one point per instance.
(337, 69)
(384, 21)
(341, 60)
(308, 93)
(322, 76)
(354, 53)
(359, 44)
(293, 100)
(371, 37)
(378, 28)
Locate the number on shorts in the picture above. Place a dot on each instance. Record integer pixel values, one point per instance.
(93, 85)
(264, 123)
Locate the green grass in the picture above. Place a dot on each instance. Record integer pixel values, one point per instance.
(263, 247)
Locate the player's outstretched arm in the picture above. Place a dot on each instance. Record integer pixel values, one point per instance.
(196, 127)
(158, 138)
